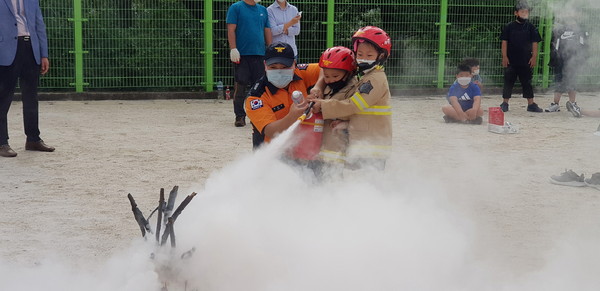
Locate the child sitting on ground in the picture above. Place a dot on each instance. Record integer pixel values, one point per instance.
(473, 63)
(464, 98)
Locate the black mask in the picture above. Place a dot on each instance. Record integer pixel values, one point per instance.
(522, 20)
(364, 66)
(337, 85)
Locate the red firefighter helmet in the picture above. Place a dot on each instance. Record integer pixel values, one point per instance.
(338, 57)
(374, 35)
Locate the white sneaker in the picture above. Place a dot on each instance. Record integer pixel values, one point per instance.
(553, 108)
(574, 109)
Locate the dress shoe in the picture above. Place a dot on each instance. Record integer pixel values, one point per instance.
(39, 146)
(6, 151)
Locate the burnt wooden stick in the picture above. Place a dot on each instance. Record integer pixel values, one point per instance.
(166, 233)
(172, 232)
(139, 217)
(169, 230)
(182, 206)
(170, 203)
(161, 203)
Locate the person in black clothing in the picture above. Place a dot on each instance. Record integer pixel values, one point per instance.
(568, 53)
(519, 53)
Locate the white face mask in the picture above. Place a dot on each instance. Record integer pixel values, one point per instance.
(280, 1)
(463, 81)
(280, 78)
(368, 62)
(476, 72)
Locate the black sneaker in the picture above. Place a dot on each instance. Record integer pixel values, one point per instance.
(533, 107)
(240, 121)
(448, 119)
(504, 106)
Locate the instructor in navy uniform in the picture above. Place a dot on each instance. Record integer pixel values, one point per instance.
(23, 56)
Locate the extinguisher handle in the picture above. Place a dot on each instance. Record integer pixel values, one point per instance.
(310, 106)
(305, 114)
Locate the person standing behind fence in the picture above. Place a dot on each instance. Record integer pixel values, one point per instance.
(248, 33)
(568, 53)
(23, 56)
(284, 20)
(519, 53)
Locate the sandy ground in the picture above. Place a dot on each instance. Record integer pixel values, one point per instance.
(72, 202)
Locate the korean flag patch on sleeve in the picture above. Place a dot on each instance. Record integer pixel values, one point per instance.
(256, 104)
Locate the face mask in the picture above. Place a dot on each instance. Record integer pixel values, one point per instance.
(256, 1)
(280, 78)
(280, 1)
(464, 81)
(337, 85)
(522, 20)
(364, 65)
(476, 72)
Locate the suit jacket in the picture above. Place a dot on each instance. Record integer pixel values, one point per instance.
(8, 31)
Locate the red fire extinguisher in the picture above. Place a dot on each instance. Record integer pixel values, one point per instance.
(310, 133)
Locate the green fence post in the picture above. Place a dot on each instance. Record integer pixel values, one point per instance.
(78, 39)
(547, 46)
(442, 43)
(208, 46)
(330, 22)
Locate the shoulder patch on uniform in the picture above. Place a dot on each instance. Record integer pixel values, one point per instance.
(258, 88)
(256, 104)
(302, 67)
(365, 88)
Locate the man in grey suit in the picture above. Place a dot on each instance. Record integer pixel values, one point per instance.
(23, 56)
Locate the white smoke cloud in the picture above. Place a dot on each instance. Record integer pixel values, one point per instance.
(130, 270)
(260, 224)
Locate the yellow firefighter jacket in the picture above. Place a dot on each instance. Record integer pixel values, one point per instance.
(368, 111)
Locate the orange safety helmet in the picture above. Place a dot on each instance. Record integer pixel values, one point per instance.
(374, 35)
(338, 57)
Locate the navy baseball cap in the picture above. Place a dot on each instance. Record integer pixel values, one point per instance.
(280, 53)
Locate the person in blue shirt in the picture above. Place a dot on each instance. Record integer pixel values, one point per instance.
(473, 63)
(248, 34)
(284, 20)
(464, 98)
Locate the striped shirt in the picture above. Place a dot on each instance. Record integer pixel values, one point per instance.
(19, 9)
(278, 17)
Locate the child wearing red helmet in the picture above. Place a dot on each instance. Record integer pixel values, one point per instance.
(338, 68)
(368, 108)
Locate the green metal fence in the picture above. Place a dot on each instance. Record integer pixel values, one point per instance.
(161, 45)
